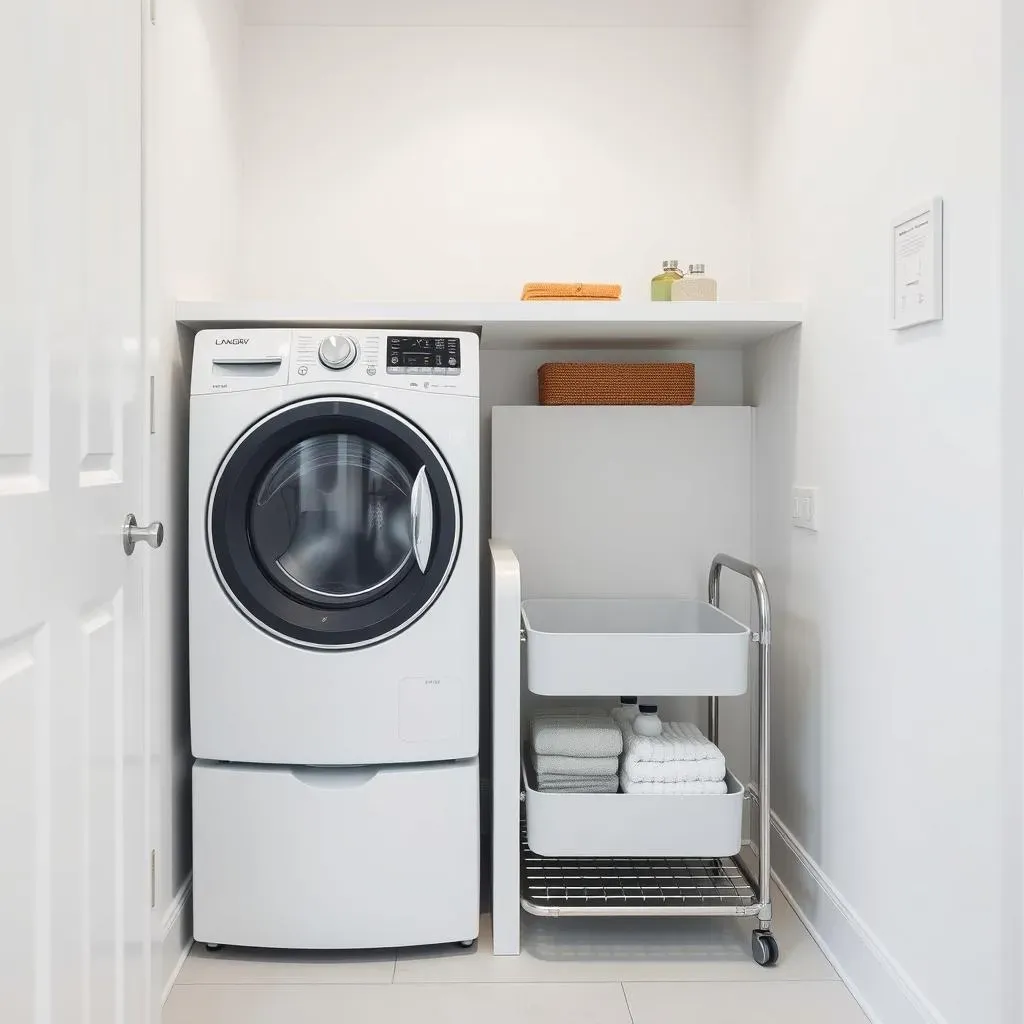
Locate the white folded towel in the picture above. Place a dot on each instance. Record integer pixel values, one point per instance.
(679, 741)
(578, 783)
(576, 734)
(712, 770)
(671, 788)
(561, 764)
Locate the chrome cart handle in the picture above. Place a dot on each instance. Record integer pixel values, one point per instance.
(763, 638)
(764, 608)
(422, 512)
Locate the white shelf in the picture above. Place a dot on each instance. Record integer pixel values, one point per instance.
(525, 325)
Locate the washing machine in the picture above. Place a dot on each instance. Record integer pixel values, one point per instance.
(334, 636)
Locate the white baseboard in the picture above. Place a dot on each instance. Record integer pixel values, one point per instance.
(885, 993)
(176, 932)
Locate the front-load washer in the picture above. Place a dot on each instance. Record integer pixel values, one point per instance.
(333, 634)
(334, 546)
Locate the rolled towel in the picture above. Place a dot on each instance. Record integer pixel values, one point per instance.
(578, 783)
(671, 788)
(540, 290)
(560, 764)
(576, 735)
(674, 771)
(679, 741)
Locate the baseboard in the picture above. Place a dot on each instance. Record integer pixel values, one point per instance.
(885, 993)
(176, 932)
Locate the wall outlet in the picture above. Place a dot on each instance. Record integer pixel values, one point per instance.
(804, 512)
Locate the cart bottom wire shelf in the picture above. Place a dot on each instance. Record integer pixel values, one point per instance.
(634, 886)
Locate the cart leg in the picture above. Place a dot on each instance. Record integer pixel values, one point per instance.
(713, 720)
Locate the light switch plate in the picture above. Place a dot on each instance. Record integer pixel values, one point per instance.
(804, 511)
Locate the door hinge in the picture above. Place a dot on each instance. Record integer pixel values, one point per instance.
(152, 12)
(152, 879)
(152, 404)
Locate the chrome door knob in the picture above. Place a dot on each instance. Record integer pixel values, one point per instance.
(132, 534)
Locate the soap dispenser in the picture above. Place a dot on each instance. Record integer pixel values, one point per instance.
(647, 723)
(626, 711)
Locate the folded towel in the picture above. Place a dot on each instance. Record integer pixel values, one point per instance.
(580, 734)
(548, 290)
(560, 764)
(679, 741)
(674, 771)
(671, 788)
(578, 783)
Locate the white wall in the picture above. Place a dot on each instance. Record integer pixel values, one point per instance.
(191, 184)
(459, 160)
(888, 644)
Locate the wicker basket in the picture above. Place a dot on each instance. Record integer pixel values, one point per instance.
(616, 383)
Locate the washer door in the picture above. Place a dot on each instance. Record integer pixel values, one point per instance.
(334, 523)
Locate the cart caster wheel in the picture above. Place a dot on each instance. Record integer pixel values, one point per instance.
(213, 946)
(467, 943)
(765, 948)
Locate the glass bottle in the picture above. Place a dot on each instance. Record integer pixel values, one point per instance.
(661, 284)
(695, 286)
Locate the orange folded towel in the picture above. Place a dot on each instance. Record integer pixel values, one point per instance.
(537, 291)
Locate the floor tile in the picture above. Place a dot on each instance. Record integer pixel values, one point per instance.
(794, 1002)
(624, 949)
(234, 966)
(394, 1004)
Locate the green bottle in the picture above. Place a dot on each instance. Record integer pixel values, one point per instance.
(661, 285)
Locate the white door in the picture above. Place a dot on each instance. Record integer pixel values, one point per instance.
(74, 882)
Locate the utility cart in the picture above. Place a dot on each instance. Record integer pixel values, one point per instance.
(628, 854)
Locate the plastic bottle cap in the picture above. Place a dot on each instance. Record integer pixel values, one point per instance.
(648, 709)
(627, 700)
(696, 268)
(670, 264)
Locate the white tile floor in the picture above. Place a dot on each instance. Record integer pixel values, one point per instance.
(642, 971)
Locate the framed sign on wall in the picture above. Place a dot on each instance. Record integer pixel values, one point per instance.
(915, 266)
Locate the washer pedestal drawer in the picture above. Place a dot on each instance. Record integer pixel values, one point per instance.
(336, 858)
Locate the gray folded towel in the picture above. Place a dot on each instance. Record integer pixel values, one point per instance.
(577, 734)
(578, 783)
(561, 764)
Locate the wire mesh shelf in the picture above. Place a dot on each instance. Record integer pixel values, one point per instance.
(671, 886)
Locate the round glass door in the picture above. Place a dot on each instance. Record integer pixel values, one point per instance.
(333, 523)
(332, 519)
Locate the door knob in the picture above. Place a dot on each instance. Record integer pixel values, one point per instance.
(132, 534)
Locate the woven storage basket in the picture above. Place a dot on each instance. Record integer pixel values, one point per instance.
(616, 383)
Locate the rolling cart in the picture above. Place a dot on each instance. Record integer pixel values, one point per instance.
(673, 856)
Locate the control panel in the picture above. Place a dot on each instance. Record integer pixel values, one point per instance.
(415, 353)
(408, 359)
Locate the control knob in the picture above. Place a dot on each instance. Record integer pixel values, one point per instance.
(337, 351)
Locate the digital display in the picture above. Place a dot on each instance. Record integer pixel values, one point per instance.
(416, 354)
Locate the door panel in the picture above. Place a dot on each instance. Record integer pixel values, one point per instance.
(24, 693)
(73, 861)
